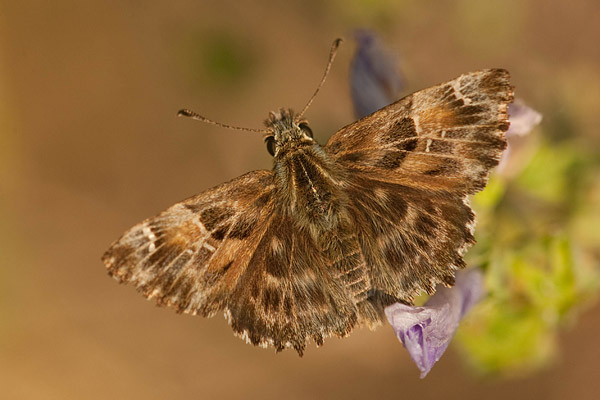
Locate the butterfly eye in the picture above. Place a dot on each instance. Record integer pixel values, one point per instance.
(307, 131)
(270, 141)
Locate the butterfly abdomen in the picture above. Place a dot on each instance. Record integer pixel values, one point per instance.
(319, 205)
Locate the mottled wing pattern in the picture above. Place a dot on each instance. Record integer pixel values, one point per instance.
(448, 136)
(402, 176)
(411, 166)
(289, 293)
(412, 238)
(231, 249)
(192, 255)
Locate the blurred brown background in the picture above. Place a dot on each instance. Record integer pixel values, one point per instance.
(90, 145)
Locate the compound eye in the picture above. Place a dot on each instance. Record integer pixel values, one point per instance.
(306, 129)
(270, 141)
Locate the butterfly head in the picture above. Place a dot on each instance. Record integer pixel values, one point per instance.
(286, 131)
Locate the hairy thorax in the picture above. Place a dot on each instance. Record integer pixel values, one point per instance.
(311, 185)
(307, 179)
(311, 189)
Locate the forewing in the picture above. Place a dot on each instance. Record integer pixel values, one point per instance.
(411, 166)
(192, 255)
(448, 136)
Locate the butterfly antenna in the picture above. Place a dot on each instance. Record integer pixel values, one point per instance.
(332, 53)
(195, 115)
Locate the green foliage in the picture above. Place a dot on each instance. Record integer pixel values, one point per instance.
(538, 276)
(219, 58)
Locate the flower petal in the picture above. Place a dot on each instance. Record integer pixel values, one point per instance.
(522, 120)
(374, 78)
(426, 331)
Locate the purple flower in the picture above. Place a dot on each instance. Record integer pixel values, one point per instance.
(375, 79)
(426, 331)
(522, 120)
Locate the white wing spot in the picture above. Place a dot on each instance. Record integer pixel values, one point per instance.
(245, 337)
(459, 94)
(110, 262)
(208, 247)
(228, 316)
(443, 134)
(417, 125)
(428, 144)
(151, 238)
(201, 226)
(148, 233)
(276, 244)
(381, 194)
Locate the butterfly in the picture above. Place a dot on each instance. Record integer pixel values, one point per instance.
(332, 234)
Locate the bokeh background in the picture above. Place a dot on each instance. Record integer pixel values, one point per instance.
(90, 144)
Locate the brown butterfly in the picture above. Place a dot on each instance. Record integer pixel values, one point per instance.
(334, 234)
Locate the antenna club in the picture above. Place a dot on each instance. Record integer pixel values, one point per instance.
(194, 115)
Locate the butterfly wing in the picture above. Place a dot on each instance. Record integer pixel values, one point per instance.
(411, 166)
(447, 136)
(288, 294)
(191, 255)
(231, 249)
